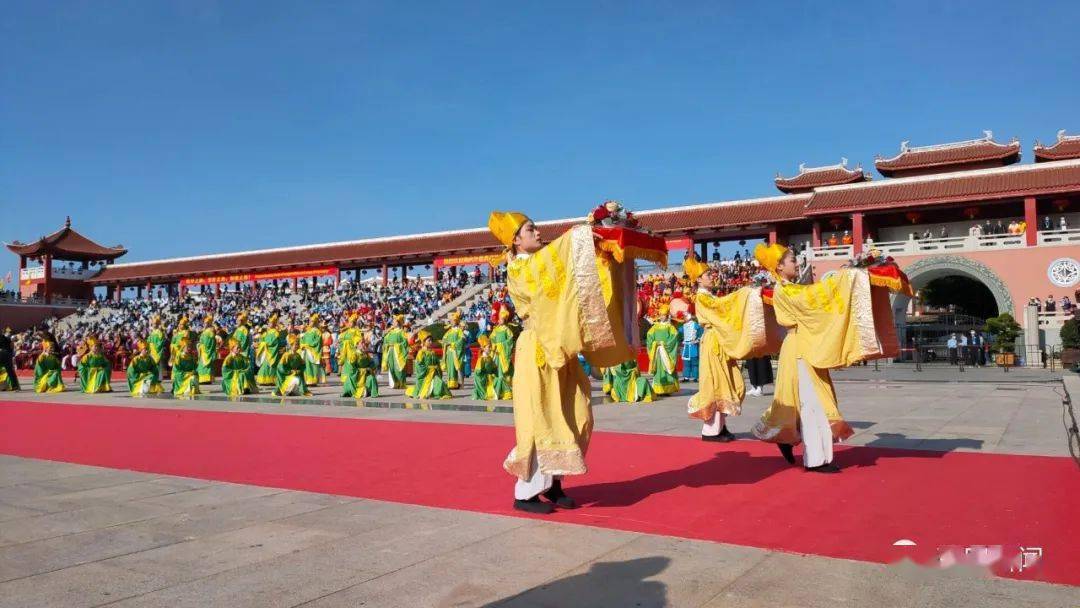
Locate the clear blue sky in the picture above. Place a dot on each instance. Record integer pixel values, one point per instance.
(194, 127)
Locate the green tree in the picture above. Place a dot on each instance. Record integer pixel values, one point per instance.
(1070, 334)
(1005, 330)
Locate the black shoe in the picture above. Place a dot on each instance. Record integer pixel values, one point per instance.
(533, 505)
(558, 497)
(828, 467)
(788, 451)
(727, 435)
(719, 438)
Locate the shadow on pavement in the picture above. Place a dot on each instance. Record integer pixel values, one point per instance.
(606, 584)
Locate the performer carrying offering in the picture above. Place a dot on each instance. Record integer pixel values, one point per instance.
(571, 301)
(836, 322)
(734, 327)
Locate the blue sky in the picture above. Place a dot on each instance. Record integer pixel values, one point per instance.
(195, 127)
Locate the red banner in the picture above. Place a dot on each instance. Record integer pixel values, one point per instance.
(463, 260)
(679, 244)
(325, 271)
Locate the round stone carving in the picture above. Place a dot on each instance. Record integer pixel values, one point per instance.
(1064, 272)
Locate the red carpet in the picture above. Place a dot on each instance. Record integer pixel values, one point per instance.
(739, 493)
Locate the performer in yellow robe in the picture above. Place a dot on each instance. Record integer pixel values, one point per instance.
(47, 377)
(395, 353)
(290, 371)
(571, 301)
(311, 353)
(242, 335)
(736, 325)
(836, 322)
(236, 376)
(208, 350)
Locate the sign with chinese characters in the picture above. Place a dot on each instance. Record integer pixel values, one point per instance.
(260, 276)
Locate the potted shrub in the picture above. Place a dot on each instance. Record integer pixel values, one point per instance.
(1070, 344)
(1005, 330)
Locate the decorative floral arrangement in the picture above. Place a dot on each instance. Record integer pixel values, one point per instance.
(611, 214)
(868, 259)
(762, 279)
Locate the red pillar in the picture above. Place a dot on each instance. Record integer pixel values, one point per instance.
(815, 235)
(149, 289)
(772, 235)
(295, 282)
(435, 273)
(385, 275)
(117, 291)
(857, 232)
(48, 279)
(1032, 220)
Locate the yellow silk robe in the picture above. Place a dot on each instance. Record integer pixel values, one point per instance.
(737, 326)
(836, 322)
(571, 300)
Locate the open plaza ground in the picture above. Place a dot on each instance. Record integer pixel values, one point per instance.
(110, 500)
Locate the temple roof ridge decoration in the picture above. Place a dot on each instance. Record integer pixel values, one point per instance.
(1066, 147)
(815, 177)
(947, 157)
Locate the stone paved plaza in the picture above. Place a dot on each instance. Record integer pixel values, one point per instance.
(76, 535)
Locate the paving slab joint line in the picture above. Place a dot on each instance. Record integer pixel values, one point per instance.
(525, 523)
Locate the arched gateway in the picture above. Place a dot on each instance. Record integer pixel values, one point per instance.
(926, 270)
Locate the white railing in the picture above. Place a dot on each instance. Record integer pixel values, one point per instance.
(843, 252)
(1059, 237)
(925, 247)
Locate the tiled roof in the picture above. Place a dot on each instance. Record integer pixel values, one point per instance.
(67, 244)
(948, 156)
(421, 247)
(1066, 146)
(814, 177)
(979, 185)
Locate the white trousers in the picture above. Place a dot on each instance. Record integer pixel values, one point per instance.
(816, 432)
(535, 485)
(711, 428)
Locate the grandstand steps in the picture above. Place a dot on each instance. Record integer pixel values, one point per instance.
(467, 296)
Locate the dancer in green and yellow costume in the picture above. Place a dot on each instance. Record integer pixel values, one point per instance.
(8, 382)
(311, 352)
(143, 375)
(185, 374)
(242, 334)
(358, 376)
(662, 344)
(429, 379)
(268, 352)
(47, 377)
(628, 385)
(453, 343)
(207, 350)
(94, 370)
(236, 376)
(395, 352)
(182, 332)
(157, 342)
(487, 385)
(290, 370)
(502, 344)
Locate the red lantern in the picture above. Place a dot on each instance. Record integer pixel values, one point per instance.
(971, 212)
(913, 216)
(1061, 204)
(836, 222)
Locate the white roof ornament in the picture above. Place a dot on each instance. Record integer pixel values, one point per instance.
(989, 135)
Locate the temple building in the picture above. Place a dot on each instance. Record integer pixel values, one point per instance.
(56, 267)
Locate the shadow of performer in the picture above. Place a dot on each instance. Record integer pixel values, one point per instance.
(606, 584)
(724, 468)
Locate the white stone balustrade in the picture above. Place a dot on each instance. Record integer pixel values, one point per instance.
(957, 244)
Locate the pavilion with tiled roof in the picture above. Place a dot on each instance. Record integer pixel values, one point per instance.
(1066, 147)
(810, 178)
(944, 158)
(66, 244)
